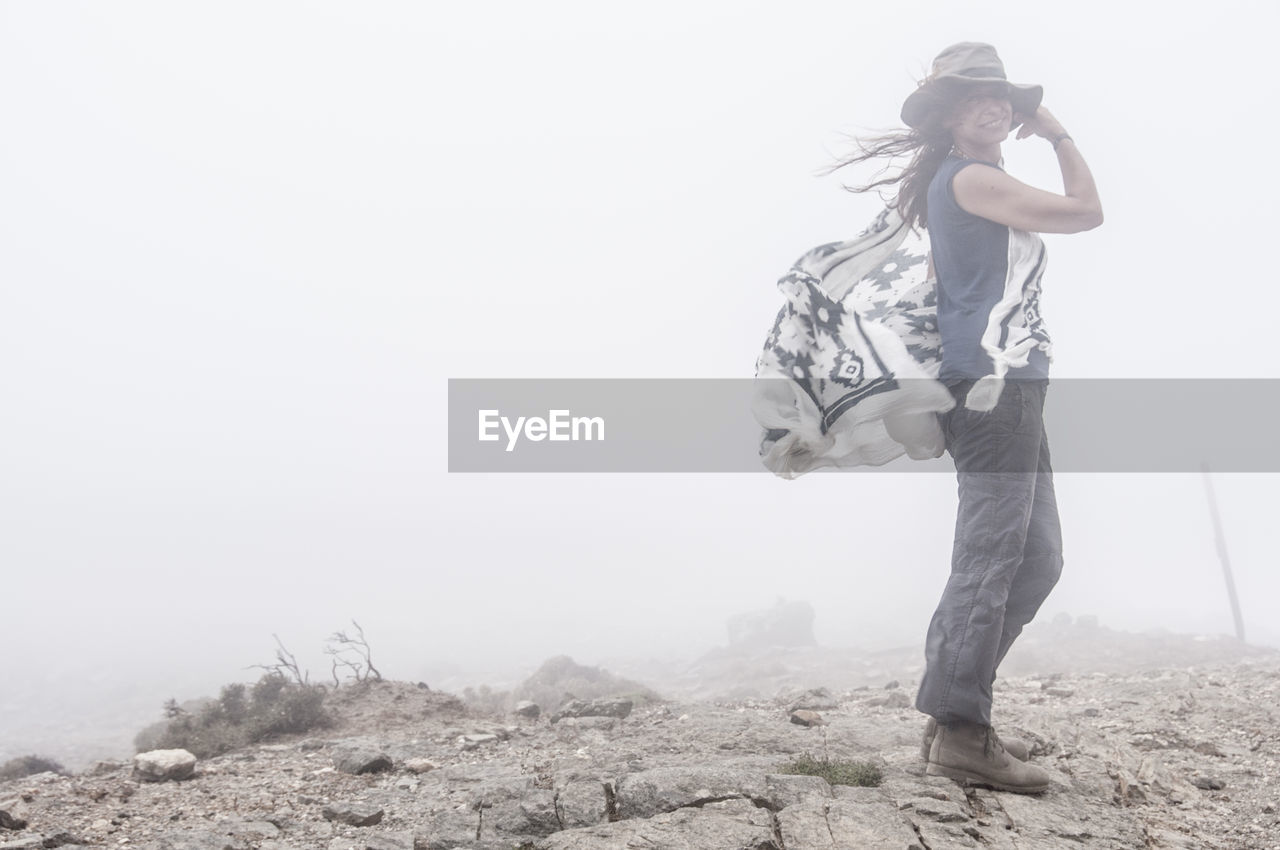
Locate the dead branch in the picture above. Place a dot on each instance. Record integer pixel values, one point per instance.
(286, 664)
(362, 666)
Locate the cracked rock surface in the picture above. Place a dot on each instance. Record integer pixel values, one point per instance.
(1174, 756)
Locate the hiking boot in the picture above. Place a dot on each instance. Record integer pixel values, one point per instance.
(1016, 747)
(972, 753)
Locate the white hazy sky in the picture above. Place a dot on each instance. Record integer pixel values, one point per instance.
(243, 245)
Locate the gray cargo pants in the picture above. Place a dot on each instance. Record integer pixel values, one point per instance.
(1007, 554)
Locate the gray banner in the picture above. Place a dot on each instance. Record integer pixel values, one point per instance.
(707, 425)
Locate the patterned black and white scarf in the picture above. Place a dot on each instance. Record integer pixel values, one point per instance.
(848, 374)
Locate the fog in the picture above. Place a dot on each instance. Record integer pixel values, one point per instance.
(244, 247)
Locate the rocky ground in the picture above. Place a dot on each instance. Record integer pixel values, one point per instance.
(1183, 755)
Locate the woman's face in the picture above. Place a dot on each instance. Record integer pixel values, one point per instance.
(982, 115)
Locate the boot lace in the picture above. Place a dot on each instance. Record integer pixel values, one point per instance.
(992, 746)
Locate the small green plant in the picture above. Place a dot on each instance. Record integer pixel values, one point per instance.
(835, 772)
(273, 705)
(29, 766)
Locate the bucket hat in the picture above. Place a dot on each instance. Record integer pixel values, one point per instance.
(956, 67)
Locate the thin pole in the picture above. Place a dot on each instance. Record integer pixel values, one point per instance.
(1221, 542)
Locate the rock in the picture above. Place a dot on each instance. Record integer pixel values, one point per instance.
(1059, 692)
(532, 814)
(893, 699)
(164, 765)
(258, 829)
(196, 839)
(870, 823)
(446, 830)
(527, 708)
(891, 685)
(13, 813)
(582, 803)
(604, 707)
(807, 718)
(560, 679)
(1208, 783)
(785, 624)
(354, 814)
(361, 761)
(418, 765)
(470, 742)
(375, 841)
(815, 699)
(1054, 820)
(33, 842)
(786, 789)
(603, 724)
(943, 811)
(725, 825)
(101, 768)
(664, 789)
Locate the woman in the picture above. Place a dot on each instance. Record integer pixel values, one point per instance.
(988, 262)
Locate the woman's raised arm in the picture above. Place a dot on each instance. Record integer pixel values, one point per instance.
(994, 195)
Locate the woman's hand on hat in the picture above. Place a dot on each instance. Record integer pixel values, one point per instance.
(1042, 124)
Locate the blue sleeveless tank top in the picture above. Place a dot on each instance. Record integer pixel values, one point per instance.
(989, 278)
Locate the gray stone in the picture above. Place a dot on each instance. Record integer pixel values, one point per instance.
(499, 789)
(527, 708)
(375, 841)
(726, 825)
(804, 717)
(944, 835)
(664, 789)
(470, 742)
(258, 829)
(1053, 820)
(844, 824)
(419, 765)
(101, 768)
(196, 839)
(355, 814)
(943, 811)
(602, 707)
(446, 830)
(815, 699)
(582, 803)
(477, 772)
(602, 724)
(31, 842)
(363, 761)
(786, 789)
(893, 699)
(163, 765)
(1208, 783)
(532, 815)
(13, 813)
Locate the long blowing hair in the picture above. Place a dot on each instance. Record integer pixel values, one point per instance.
(927, 147)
